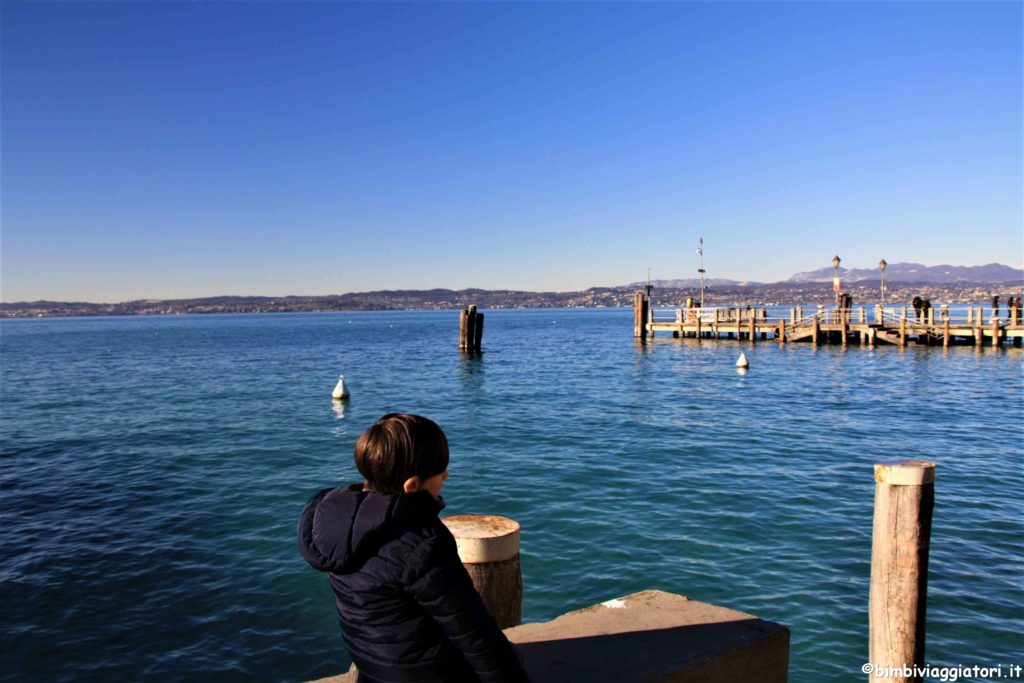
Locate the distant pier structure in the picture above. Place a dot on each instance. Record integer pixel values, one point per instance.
(819, 324)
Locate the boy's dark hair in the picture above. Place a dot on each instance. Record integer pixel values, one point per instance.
(400, 446)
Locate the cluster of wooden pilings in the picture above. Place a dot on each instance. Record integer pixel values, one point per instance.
(471, 330)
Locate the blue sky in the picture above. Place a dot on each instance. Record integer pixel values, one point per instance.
(157, 150)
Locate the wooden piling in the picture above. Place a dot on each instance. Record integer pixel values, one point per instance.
(945, 332)
(478, 333)
(638, 315)
(463, 326)
(815, 330)
(753, 330)
(471, 327)
(782, 331)
(903, 328)
(488, 546)
(995, 331)
(901, 538)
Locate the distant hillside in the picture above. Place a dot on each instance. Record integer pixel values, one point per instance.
(915, 272)
(690, 283)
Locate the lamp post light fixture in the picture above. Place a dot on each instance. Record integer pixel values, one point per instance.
(881, 265)
(835, 282)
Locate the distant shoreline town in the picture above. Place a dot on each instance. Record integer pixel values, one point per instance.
(804, 288)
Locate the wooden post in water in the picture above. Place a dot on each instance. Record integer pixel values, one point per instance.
(945, 332)
(815, 330)
(901, 538)
(995, 331)
(471, 327)
(782, 331)
(636, 315)
(903, 328)
(970, 315)
(753, 328)
(478, 333)
(488, 546)
(463, 326)
(698, 325)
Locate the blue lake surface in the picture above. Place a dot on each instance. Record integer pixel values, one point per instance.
(152, 470)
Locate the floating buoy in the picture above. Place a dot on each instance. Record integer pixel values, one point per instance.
(742, 361)
(340, 391)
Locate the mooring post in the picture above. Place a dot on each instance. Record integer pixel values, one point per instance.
(903, 328)
(945, 332)
(995, 331)
(815, 330)
(478, 333)
(488, 546)
(463, 326)
(782, 331)
(637, 315)
(901, 538)
(650, 318)
(471, 327)
(753, 328)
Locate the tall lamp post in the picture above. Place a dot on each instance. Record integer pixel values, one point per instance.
(881, 265)
(835, 283)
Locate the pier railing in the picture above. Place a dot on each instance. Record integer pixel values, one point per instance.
(867, 314)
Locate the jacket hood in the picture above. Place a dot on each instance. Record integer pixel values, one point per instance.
(340, 527)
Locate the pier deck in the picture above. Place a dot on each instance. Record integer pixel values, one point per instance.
(868, 325)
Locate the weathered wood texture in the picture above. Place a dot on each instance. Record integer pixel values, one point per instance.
(904, 500)
(488, 546)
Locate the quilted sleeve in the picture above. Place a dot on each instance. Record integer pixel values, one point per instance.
(439, 583)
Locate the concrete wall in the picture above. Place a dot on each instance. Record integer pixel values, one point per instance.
(650, 637)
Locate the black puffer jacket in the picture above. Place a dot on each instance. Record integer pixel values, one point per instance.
(407, 607)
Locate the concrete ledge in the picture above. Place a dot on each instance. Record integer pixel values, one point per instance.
(650, 637)
(657, 637)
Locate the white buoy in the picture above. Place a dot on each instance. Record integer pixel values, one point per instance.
(742, 361)
(340, 391)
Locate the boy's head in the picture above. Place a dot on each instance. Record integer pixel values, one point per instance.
(402, 452)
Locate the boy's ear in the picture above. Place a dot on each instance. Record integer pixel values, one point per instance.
(411, 485)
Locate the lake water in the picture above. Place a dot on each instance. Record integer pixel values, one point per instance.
(153, 469)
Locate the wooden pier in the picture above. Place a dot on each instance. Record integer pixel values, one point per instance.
(866, 325)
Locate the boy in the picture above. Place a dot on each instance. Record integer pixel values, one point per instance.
(407, 607)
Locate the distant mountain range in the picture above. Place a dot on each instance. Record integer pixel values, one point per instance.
(948, 284)
(915, 272)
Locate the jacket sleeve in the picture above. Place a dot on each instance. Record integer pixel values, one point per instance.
(440, 584)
